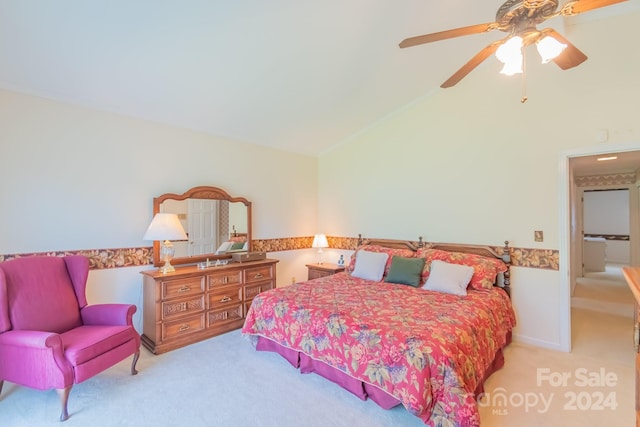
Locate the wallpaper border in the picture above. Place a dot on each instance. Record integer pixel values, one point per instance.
(100, 259)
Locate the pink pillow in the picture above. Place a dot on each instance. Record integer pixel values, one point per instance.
(407, 253)
(485, 270)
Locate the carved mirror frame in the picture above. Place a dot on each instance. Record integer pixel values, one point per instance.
(201, 192)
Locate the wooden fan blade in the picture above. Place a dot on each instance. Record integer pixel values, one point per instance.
(586, 5)
(448, 34)
(473, 63)
(571, 56)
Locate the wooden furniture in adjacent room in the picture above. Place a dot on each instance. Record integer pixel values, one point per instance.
(324, 269)
(192, 304)
(632, 274)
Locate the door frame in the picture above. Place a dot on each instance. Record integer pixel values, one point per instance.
(566, 194)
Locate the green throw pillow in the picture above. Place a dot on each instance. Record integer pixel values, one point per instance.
(405, 270)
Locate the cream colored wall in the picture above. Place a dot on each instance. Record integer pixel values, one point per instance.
(473, 164)
(73, 178)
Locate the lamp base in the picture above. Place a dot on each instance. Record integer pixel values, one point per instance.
(167, 268)
(167, 252)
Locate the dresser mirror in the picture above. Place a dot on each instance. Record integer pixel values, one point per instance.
(215, 222)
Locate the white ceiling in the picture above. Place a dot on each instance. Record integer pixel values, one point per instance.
(295, 75)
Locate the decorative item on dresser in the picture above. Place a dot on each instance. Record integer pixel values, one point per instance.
(322, 270)
(192, 304)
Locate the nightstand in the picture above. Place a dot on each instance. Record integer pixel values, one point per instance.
(324, 269)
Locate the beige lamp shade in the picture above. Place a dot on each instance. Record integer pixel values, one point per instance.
(165, 226)
(320, 241)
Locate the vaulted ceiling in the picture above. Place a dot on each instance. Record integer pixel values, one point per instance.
(299, 76)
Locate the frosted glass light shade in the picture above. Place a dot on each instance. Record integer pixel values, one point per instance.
(510, 54)
(549, 48)
(513, 67)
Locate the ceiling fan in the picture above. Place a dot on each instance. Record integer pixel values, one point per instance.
(519, 18)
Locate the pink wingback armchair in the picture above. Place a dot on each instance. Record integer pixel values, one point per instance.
(49, 336)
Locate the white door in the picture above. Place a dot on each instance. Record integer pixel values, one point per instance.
(202, 217)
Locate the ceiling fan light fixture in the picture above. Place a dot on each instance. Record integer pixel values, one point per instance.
(510, 54)
(510, 50)
(549, 48)
(512, 67)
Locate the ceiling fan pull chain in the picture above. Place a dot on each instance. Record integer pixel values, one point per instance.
(524, 80)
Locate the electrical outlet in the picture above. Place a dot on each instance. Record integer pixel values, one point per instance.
(538, 236)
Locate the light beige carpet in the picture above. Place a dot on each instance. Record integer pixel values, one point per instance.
(591, 386)
(605, 291)
(225, 382)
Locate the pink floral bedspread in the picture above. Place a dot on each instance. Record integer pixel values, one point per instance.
(430, 350)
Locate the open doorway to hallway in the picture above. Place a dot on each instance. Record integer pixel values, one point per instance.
(603, 236)
(600, 285)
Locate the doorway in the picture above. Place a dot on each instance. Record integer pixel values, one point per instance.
(570, 233)
(600, 286)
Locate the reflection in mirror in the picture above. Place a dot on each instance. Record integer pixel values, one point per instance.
(212, 226)
(216, 224)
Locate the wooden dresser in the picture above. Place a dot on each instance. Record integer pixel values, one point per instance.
(193, 304)
(632, 274)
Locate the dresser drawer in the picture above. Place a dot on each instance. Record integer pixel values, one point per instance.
(225, 278)
(258, 274)
(183, 327)
(182, 287)
(182, 307)
(225, 316)
(250, 291)
(316, 274)
(225, 297)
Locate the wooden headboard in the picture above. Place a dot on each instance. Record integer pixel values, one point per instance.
(486, 251)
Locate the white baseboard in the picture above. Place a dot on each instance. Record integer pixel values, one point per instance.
(523, 339)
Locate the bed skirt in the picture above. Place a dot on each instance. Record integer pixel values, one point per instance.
(360, 389)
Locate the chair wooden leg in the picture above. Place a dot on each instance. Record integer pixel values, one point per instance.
(64, 398)
(135, 361)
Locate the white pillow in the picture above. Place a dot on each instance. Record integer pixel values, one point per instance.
(370, 265)
(448, 278)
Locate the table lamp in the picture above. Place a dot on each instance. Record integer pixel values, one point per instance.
(165, 227)
(320, 241)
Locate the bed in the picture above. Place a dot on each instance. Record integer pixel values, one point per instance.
(419, 325)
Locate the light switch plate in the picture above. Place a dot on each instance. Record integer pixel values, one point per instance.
(538, 236)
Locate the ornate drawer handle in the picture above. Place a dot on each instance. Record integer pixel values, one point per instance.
(225, 299)
(258, 276)
(183, 328)
(184, 289)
